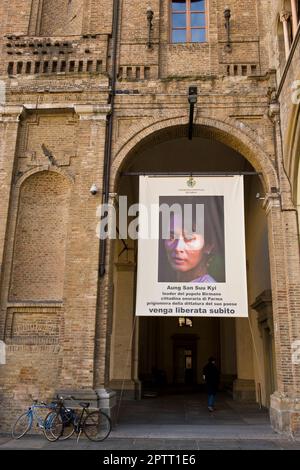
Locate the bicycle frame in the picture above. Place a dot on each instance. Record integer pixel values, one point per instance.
(78, 420)
(33, 415)
(78, 424)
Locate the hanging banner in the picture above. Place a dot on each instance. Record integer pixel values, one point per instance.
(191, 248)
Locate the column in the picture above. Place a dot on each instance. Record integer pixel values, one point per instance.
(284, 18)
(285, 283)
(81, 303)
(244, 385)
(125, 331)
(228, 351)
(9, 124)
(294, 17)
(35, 18)
(135, 365)
(263, 307)
(87, 17)
(104, 319)
(285, 273)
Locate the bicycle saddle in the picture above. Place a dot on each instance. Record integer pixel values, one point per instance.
(84, 404)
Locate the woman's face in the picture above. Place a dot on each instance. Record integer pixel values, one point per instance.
(184, 250)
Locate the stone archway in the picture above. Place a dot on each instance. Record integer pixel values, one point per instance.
(174, 133)
(282, 234)
(232, 133)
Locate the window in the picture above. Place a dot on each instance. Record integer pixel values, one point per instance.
(188, 19)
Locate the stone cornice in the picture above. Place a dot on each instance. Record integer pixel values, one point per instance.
(90, 112)
(10, 113)
(87, 112)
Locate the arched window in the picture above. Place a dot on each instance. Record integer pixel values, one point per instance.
(188, 20)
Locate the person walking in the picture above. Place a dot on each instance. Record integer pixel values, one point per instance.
(211, 375)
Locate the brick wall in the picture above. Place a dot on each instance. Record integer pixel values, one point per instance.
(17, 16)
(167, 60)
(40, 239)
(62, 82)
(62, 18)
(97, 16)
(31, 370)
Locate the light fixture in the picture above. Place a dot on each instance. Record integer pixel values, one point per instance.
(150, 15)
(193, 94)
(184, 321)
(227, 16)
(94, 190)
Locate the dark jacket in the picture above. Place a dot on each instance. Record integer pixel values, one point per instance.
(212, 378)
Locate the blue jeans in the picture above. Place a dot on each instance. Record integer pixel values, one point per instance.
(211, 400)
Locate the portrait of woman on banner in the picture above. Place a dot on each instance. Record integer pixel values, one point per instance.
(192, 252)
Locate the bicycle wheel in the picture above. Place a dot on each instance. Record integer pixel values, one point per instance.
(68, 417)
(97, 426)
(22, 425)
(53, 426)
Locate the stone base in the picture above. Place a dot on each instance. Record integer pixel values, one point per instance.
(88, 395)
(128, 389)
(226, 382)
(104, 399)
(244, 391)
(107, 399)
(285, 414)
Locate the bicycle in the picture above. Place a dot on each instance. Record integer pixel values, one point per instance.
(64, 415)
(51, 425)
(96, 425)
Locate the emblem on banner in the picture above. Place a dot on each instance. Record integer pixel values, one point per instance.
(191, 182)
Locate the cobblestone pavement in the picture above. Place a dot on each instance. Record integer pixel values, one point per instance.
(178, 422)
(39, 443)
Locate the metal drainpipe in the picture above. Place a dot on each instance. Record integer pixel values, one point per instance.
(191, 121)
(109, 128)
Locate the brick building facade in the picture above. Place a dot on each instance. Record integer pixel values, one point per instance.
(96, 88)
